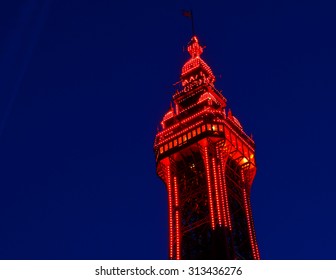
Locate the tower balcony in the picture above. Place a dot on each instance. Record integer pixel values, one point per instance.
(237, 143)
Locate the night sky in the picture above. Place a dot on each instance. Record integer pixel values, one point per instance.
(84, 85)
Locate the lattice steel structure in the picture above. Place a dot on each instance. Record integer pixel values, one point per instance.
(207, 164)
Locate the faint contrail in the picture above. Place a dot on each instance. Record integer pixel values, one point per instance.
(17, 55)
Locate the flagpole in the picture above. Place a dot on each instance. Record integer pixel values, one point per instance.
(189, 14)
(192, 23)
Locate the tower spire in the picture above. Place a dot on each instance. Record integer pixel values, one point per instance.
(194, 48)
(207, 163)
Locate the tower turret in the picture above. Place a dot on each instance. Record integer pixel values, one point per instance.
(207, 163)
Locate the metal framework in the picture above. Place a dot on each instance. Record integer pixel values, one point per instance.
(207, 164)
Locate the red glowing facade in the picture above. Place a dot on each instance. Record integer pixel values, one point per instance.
(207, 163)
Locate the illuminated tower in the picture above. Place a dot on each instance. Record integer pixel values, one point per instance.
(207, 163)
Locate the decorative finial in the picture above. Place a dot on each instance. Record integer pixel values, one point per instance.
(194, 47)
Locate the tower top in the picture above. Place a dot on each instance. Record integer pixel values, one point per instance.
(207, 163)
(194, 48)
(196, 63)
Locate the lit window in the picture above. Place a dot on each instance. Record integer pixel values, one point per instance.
(194, 133)
(203, 128)
(170, 145)
(166, 147)
(208, 126)
(215, 127)
(161, 150)
(189, 135)
(198, 130)
(220, 127)
(184, 138)
(180, 140)
(175, 142)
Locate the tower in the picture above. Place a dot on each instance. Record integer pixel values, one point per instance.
(207, 163)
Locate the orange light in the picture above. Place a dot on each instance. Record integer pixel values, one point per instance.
(244, 160)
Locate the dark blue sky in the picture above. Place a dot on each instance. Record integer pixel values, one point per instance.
(84, 85)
